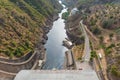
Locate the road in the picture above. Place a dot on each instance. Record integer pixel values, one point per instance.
(87, 49)
(86, 57)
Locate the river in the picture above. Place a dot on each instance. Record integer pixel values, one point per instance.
(55, 51)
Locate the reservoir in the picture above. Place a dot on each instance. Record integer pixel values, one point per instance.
(55, 51)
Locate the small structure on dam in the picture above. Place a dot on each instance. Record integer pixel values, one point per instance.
(56, 75)
(68, 44)
(69, 61)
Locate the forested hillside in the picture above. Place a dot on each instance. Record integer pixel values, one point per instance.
(22, 23)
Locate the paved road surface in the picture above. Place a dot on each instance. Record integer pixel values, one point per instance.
(87, 49)
(86, 57)
(85, 66)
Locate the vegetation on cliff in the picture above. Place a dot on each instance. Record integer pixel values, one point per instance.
(21, 24)
(65, 15)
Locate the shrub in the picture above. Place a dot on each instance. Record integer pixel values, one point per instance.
(18, 52)
(65, 15)
(96, 31)
(108, 49)
(92, 22)
(93, 55)
(115, 71)
(101, 38)
(27, 44)
(111, 46)
(107, 23)
(111, 35)
(13, 44)
(7, 52)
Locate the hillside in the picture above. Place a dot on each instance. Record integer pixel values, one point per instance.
(102, 18)
(103, 21)
(22, 24)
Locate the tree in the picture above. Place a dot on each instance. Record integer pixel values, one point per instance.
(65, 15)
(101, 39)
(107, 24)
(93, 55)
(96, 31)
(115, 71)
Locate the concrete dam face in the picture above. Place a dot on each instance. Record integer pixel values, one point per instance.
(56, 75)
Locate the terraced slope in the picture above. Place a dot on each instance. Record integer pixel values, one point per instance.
(22, 23)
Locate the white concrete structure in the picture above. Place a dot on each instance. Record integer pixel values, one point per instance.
(56, 75)
(70, 43)
(100, 55)
(40, 62)
(73, 11)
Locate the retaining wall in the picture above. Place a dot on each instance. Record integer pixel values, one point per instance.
(24, 58)
(28, 63)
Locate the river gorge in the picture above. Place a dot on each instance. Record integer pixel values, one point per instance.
(54, 48)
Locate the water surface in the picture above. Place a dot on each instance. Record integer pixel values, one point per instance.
(55, 50)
